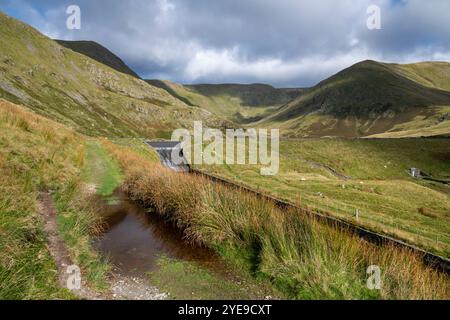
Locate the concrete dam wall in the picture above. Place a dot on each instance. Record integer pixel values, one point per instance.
(166, 149)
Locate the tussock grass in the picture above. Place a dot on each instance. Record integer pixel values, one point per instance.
(304, 259)
(389, 200)
(78, 220)
(37, 155)
(27, 165)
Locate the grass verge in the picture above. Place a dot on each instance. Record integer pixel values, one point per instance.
(100, 169)
(78, 221)
(186, 280)
(37, 155)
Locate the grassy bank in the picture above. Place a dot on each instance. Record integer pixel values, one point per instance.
(302, 258)
(38, 155)
(378, 184)
(189, 280)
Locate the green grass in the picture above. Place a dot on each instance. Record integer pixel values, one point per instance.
(421, 126)
(101, 169)
(380, 187)
(186, 280)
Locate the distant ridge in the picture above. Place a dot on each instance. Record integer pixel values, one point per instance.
(99, 53)
(252, 95)
(240, 103)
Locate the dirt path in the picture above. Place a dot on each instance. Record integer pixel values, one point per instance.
(121, 287)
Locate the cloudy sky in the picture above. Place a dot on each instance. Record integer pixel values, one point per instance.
(281, 42)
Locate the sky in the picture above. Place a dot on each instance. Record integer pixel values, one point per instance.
(286, 43)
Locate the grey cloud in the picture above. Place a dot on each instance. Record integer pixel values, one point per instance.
(284, 42)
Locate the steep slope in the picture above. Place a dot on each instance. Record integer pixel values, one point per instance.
(369, 98)
(241, 103)
(99, 53)
(82, 93)
(430, 74)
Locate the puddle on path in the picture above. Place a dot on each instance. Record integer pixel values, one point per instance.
(134, 240)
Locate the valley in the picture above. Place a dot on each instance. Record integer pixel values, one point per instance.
(74, 120)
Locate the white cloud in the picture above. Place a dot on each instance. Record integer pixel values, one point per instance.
(219, 66)
(283, 42)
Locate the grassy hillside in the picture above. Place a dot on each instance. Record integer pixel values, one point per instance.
(82, 93)
(371, 98)
(99, 53)
(430, 74)
(239, 103)
(369, 175)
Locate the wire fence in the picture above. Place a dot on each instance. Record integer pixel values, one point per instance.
(357, 220)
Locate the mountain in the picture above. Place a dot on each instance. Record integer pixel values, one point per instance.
(82, 93)
(372, 98)
(92, 90)
(99, 53)
(240, 103)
